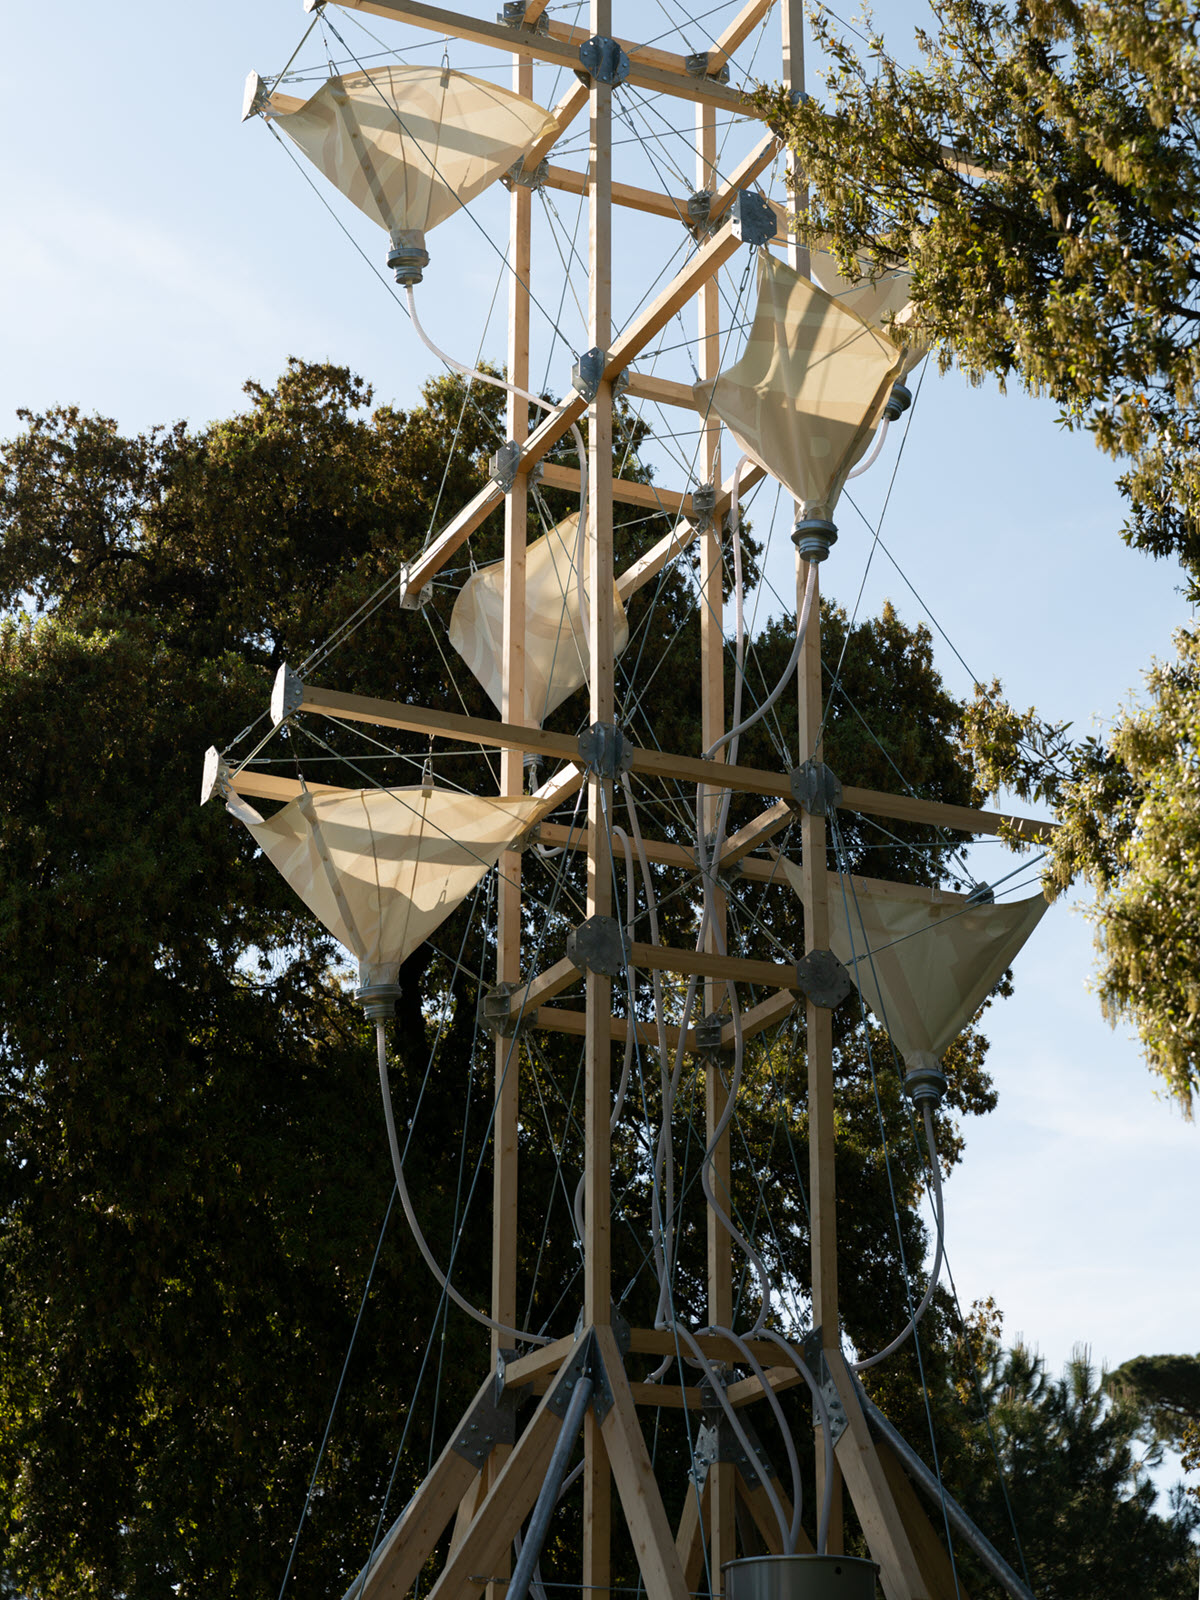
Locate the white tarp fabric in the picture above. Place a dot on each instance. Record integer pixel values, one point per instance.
(885, 300)
(409, 145)
(556, 647)
(383, 868)
(809, 388)
(924, 966)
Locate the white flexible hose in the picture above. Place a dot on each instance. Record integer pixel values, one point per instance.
(739, 1432)
(822, 1408)
(410, 1214)
(874, 456)
(534, 399)
(939, 1215)
(789, 1444)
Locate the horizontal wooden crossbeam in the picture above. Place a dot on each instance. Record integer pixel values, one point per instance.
(671, 502)
(653, 763)
(657, 70)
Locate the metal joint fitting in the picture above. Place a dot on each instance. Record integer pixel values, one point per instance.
(603, 59)
(814, 537)
(897, 402)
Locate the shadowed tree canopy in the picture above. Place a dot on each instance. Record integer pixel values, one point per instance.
(193, 1168)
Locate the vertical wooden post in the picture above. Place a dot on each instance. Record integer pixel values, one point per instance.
(512, 782)
(819, 1023)
(721, 1500)
(597, 1504)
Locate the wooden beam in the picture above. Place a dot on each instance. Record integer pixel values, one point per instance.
(646, 69)
(662, 1342)
(737, 32)
(653, 203)
(671, 502)
(653, 1541)
(655, 763)
(761, 1017)
(689, 1540)
(747, 170)
(572, 104)
(411, 1539)
(544, 987)
(763, 827)
(662, 391)
(746, 1390)
(706, 964)
(561, 1019)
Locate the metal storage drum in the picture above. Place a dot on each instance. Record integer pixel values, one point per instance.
(805, 1577)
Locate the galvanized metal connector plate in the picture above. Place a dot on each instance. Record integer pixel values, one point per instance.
(813, 1351)
(704, 500)
(697, 67)
(588, 372)
(754, 220)
(505, 464)
(287, 694)
(495, 1013)
(598, 945)
(815, 788)
(604, 750)
(603, 59)
(513, 16)
(517, 178)
(412, 599)
(699, 210)
(716, 1441)
(708, 1031)
(585, 1362)
(822, 978)
(257, 97)
(488, 1423)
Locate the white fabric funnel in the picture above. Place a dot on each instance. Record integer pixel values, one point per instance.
(556, 646)
(409, 145)
(809, 388)
(885, 301)
(924, 966)
(383, 868)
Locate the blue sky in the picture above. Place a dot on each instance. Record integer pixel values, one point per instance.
(159, 253)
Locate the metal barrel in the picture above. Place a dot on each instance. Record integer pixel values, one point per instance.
(803, 1577)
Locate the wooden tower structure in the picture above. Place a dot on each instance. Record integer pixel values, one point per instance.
(488, 1478)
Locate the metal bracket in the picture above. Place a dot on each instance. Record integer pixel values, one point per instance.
(982, 895)
(490, 1421)
(603, 750)
(704, 502)
(696, 66)
(822, 978)
(520, 1392)
(716, 1441)
(415, 600)
(505, 464)
(603, 59)
(815, 788)
(517, 178)
(585, 1362)
(513, 16)
(699, 210)
(598, 945)
(217, 779)
(754, 221)
(287, 695)
(495, 1012)
(588, 373)
(708, 1032)
(813, 1351)
(257, 97)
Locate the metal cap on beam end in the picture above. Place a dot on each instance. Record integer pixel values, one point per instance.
(377, 992)
(598, 945)
(897, 402)
(217, 779)
(814, 537)
(256, 99)
(925, 1082)
(287, 695)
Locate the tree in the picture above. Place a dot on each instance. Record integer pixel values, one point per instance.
(1129, 810)
(192, 1172)
(1166, 1391)
(1039, 174)
(1075, 1486)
